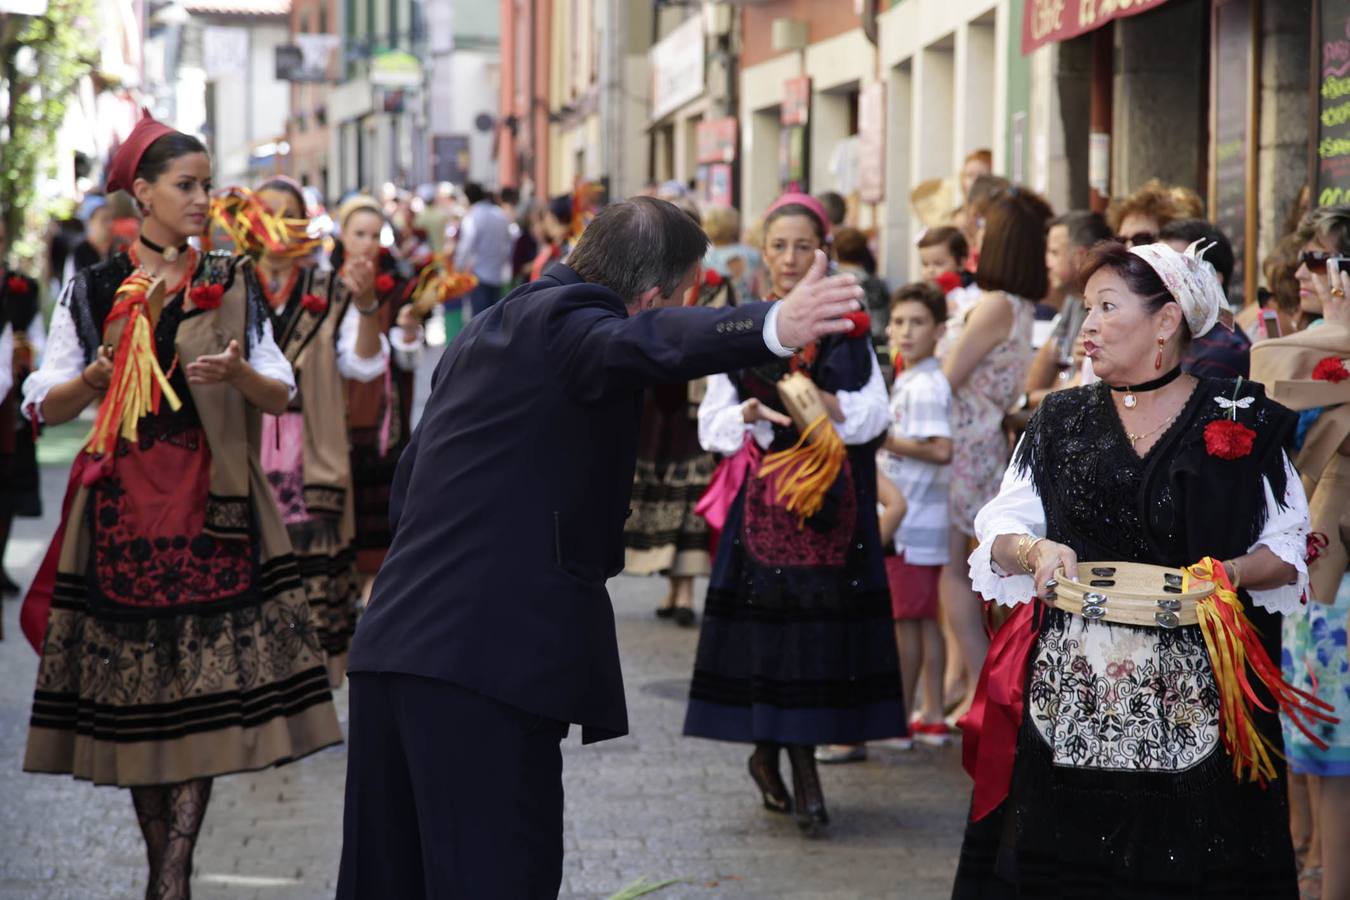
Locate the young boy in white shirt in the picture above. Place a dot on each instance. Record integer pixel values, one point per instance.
(914, 458)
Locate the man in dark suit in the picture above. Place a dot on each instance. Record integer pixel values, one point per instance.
(489, 629)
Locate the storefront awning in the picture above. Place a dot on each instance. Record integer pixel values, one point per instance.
(1044, 21)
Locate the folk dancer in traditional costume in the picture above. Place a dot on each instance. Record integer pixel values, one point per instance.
(177, 644)
(1116, 755)
(797, 646)
(665, 534)
(327, 323)
(20, 490)
(379, 412)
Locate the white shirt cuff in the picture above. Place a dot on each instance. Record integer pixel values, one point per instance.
(771, 332)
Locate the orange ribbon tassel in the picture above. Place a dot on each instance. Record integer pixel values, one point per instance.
(1234, 646)
(806, 470)
(138, 383)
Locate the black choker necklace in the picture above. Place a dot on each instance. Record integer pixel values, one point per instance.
(1130, 391)
(169, 253)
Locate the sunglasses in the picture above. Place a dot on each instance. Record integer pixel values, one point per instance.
(1138, 239)
(1315, 260)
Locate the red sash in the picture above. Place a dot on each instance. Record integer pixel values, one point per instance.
(37, 603)
(990, 728)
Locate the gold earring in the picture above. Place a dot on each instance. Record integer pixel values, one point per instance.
(1157, 360)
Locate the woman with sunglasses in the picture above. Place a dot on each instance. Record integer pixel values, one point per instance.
(1138, 218)
(327, 323)
(1304, 371)
(175, 635)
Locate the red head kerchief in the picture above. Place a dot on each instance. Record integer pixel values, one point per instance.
(122, 169)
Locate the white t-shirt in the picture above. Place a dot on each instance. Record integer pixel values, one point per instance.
(921, 401)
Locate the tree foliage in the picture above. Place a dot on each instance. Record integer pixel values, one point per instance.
(42, 59)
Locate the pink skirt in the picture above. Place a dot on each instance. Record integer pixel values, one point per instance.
(914, 589)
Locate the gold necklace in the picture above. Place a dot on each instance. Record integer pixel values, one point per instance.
(1136, 438)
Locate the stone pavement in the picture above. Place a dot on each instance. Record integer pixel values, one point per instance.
(652, 804)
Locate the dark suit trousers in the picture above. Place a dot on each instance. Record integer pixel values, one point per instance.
(450, 795)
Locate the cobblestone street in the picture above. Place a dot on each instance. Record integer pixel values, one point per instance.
(653, 804)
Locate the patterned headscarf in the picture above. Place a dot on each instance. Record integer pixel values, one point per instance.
(1191, 281)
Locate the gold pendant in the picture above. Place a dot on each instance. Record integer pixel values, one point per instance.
(170, 254)
(1130, 401)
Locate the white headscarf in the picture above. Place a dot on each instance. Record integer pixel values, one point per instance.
(1191, 280)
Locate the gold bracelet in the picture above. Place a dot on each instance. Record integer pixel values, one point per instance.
(1031, 548)
(1020, 550)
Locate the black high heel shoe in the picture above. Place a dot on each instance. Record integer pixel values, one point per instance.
(811, 815)
(764, 770)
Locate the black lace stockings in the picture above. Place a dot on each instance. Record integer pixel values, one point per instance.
(171, 817)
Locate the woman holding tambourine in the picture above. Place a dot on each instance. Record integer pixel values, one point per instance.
(1115, 749)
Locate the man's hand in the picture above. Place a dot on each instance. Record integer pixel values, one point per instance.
(817, 305)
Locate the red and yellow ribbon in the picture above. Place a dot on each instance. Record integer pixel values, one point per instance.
(438, 283)
(252, 226)
(1235, 647)
(806, 470)
(138, 383)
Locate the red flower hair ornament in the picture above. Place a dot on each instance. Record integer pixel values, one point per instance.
(17, 285)
(1228, 438)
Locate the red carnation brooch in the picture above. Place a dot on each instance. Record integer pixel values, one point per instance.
(16, 284)
(314, 303)
(206, 296)
(384, 283)
(1228, 438)
(1330, 369)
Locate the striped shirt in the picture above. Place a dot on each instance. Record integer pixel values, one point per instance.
(921, 403)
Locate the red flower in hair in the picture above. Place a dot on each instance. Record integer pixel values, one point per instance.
(384, 283)
(314, 303)
(1228, 439)
(862, 324)
(1330, 369)
(712, 278)
(206, 296)
(16, 284)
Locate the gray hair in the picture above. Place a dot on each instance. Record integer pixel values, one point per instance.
(633, 246)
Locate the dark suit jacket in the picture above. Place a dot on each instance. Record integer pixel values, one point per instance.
(509, 503)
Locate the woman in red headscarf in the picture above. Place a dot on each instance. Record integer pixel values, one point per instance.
(178, 644)
(327, 323)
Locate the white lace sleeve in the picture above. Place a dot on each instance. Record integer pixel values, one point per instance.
(6, 360)
(1016, 510)
(407, 353)
(721, 428)
(349, 364)
(36, 333)
(867, 412)
(62, 360)
(1286, 535)
(267, 359)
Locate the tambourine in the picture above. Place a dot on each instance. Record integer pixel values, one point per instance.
(1131, 593)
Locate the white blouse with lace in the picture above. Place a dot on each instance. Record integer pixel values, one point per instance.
(1018, 510)
(722, 426)
(63, 360)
